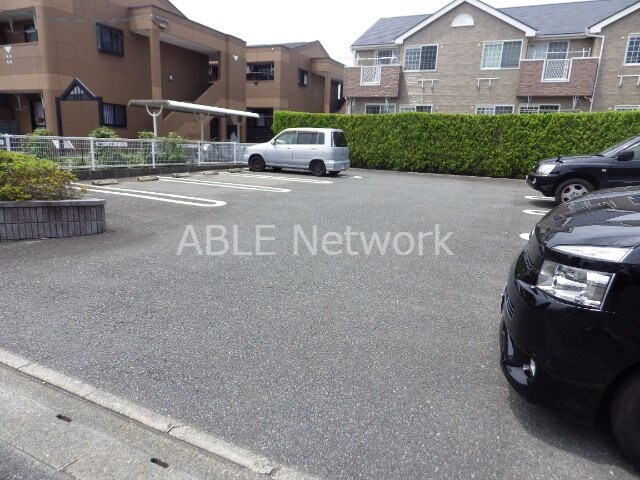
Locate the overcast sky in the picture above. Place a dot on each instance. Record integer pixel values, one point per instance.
(336, 23)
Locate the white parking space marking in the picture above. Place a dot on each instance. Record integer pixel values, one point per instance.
(357, 176)
(538, 197)
(524, 236)
(536, 212)
(274, 177)
(239, 186)
(157, 196)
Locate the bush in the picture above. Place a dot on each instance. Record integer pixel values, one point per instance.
(494, 146)
(24, 177)
(38, 146)
(171, 151)
(103, 132)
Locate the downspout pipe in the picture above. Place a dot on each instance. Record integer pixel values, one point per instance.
(595, 84)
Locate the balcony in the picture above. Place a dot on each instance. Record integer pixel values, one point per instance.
(571, 77)
(372, 81)
(556, 70)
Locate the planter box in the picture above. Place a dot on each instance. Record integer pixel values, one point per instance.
(51, 219)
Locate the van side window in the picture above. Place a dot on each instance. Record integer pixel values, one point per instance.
(307, 138)
(286, 138)
(338, 139)
(320, 138)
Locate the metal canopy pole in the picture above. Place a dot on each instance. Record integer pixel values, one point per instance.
(155, 116)
(202, 117)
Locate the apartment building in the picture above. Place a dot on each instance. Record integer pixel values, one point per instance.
(469, 57)
(290, 76)
(73, 65)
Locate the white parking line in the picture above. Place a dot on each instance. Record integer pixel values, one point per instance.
(239, 186)
(198, 202)
(536, 212)
(538, 197)
(524, 236)
(274, 177)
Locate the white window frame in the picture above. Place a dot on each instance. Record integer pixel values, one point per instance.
(492, 108)
(413, 107)
(626, 108)
(626, 50)
(386, 60)
(404, 56)
(501, 42)
(537, 106)
(386, 106)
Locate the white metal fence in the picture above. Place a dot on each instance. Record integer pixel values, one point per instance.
(556, 70)
(96, 153)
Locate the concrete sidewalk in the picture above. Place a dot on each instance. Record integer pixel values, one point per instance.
(46, 432)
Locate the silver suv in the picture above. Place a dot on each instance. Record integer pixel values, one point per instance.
(319, 150)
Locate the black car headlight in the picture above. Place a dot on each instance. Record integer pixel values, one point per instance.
(574, 285)
(579, 286)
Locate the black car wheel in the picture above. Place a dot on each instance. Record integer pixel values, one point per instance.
(624, 414)
(317, 168)
(257, 164)
(572, 188)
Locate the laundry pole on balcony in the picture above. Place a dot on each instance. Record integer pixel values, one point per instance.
(203, 113)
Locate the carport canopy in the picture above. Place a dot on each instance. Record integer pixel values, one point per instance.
(202, 112)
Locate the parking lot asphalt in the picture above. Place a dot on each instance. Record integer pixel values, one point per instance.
(341, 365)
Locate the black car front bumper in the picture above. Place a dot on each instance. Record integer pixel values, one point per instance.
(556, 354)
(545, 184)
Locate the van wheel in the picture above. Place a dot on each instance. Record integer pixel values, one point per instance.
(256, 164)
(624, 414)
(572, 188)
(317, 168)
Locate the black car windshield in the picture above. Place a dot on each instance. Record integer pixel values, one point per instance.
(612, 150)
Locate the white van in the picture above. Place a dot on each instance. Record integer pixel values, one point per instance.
(319, 150)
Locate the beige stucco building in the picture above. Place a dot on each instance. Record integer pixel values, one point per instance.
(469, 57)
(300, 77)
(72, 65)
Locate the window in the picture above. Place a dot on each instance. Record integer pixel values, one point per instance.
(337, 139)
(501, 54)
(420, 58)
(386, 57)
(493, 109)
(114, 115)
(307, 138)
(110, 40)
(463, 20)
(303, 77)
(30, 34)
(624, 108)
(535, 108)
(260, 71)
(285, 138)
(416, 108)
(633, 50)
(548, 50)
(380, 108)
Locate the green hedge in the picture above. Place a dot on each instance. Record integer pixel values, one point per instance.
(25, 177)
(485, 145)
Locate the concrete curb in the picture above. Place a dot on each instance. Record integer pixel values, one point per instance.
(160, 423)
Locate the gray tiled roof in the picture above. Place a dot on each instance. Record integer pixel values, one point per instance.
(553, 19)
(385, 30)
(563, 18)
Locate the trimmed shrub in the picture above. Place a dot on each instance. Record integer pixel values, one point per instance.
(25, 177)
(484, 145)
(38, 146)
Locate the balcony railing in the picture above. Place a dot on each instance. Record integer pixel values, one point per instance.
(370, 75)
(556, 70)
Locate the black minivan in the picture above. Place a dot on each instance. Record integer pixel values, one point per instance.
(570, 327)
